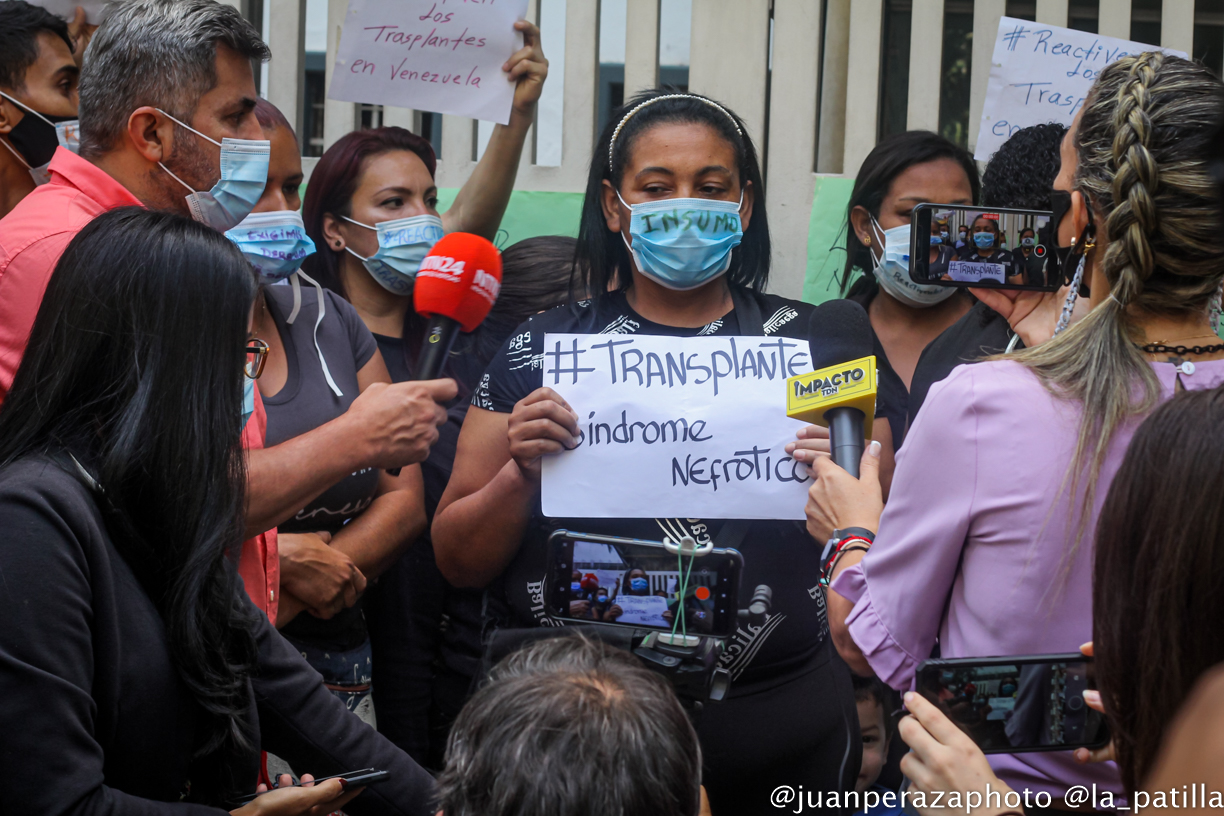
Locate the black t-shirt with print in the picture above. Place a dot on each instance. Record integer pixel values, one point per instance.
(780, 554)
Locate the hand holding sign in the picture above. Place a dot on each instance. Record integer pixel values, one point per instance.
(541, 423)
(447, 56)
(528, 68)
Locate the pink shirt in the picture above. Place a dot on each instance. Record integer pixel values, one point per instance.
(32, 238)
(35, 234)
(969, 551)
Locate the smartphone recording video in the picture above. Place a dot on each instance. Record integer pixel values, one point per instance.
(961, 246)
(632, 582)
(1010, 705)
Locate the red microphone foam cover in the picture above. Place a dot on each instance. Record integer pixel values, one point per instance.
(459, 279)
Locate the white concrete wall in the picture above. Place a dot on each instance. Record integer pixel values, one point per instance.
(729, 47)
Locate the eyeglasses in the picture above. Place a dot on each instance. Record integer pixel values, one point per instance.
(256, 356)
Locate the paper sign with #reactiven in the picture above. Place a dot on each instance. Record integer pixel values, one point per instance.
(444, 56)
(679, 427)
(1042, 73)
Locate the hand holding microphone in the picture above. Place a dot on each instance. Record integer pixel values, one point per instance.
(840, 395)
(457, 285)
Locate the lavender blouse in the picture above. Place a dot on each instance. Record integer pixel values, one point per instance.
(969, 553)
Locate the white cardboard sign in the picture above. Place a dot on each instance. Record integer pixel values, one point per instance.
(675, 427)
(1042, 73)
(444, 56)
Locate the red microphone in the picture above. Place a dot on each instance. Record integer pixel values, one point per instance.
(455, 288)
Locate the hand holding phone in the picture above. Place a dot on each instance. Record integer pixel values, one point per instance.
(298, 800)
(942, 757)
(310, 797)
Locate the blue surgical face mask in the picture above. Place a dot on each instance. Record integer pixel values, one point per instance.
(892, 269)
(402, 245)
(936, 240)
(244, 172)
(984, 240)
(1007, 689)
(248, 400)
(638, 584)
(943, 235)
(575, 587)
(275, 243)
(684, 243)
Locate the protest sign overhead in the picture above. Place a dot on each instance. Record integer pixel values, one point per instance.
(663, 431)
(1041, 73)
(444, 56)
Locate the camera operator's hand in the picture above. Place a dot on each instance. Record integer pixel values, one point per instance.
(580, 609)
(837, 500)
(1093, 699)
(321, 577)
(944, 758)
(397, 424)
(542, 423)
(1032, 315)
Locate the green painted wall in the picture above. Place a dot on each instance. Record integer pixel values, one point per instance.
(826, 239)
(530, 213)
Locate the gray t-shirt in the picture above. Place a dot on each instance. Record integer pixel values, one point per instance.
(306, 402)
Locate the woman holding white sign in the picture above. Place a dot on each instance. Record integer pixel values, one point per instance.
(790, 716)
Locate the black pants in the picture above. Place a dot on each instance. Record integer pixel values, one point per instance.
(802, 732)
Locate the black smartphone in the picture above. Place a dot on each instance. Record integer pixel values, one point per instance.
(355, 779)
(1013, 705)
(635, 582)
(1004, 249)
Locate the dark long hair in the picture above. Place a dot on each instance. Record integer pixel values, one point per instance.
(332, 185)
(601, 253)
(1157, 584)
(889, 159)
(134, 366)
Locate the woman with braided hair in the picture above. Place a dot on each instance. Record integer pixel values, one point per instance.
(996, 557)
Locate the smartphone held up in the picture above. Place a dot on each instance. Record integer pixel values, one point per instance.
(1011, 705)
(971, 246)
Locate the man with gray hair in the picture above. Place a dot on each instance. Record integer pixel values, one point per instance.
(161, 80)
(570, 726)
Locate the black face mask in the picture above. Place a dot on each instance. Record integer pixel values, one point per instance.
(1066, 257)
(35, 139)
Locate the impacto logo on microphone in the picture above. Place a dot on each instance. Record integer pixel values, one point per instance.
(845, 385)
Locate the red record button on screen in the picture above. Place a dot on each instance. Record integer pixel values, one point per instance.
(702, 593)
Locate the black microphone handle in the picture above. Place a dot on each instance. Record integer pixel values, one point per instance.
(440, 336)
(846, 437)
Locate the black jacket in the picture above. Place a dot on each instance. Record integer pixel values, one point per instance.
(93, 716)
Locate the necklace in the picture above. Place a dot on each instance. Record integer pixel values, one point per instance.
(1161, 347)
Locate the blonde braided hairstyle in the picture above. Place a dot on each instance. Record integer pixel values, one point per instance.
(1141, 145)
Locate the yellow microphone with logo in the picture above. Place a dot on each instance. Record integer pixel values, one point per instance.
(841, 393)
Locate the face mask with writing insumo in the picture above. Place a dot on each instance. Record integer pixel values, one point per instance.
(244, 172)
(892, 269)
(402, 246)
(684, 243)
